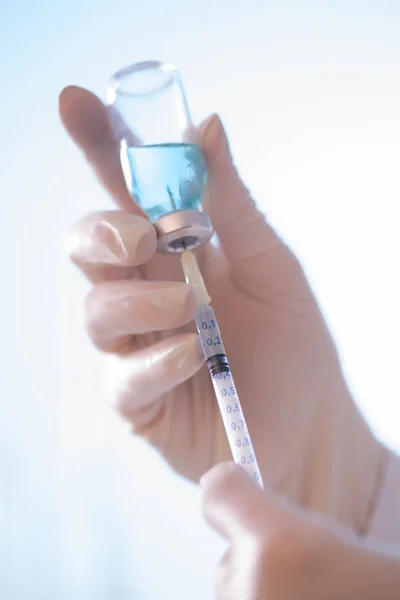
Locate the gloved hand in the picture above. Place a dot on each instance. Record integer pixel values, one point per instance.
(278, 551)
(310, 440)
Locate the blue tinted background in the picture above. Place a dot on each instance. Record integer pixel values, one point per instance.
(310, 93)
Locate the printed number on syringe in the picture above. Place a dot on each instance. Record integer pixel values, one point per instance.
(206, 325)
(215, 342)
(229, 408)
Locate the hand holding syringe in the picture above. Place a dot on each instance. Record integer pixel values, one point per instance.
(221, 376)
(294, 361)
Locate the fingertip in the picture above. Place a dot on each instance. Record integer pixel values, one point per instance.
(70, 94)
(206, 124)
(146, 246)
(214, 139)
(71, 98)
(229, 500)
(217, 473)
(84, 116)
(111, 238)
(221, 479)
(225, 483)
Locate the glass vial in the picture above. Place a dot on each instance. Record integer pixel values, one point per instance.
(163, 165)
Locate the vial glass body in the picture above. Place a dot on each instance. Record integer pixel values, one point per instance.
(163, 165)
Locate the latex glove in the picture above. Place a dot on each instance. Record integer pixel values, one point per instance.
(310, 439)
(280, 552)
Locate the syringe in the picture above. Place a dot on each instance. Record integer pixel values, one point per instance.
(221, 376)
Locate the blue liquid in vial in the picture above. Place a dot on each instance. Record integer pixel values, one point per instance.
(167, 177)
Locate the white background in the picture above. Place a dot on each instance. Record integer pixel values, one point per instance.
(310, 94)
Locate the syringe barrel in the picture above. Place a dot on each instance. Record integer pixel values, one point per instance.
(226, 392)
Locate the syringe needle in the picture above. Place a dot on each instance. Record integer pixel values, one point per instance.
(221, 377)
(194, 277)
